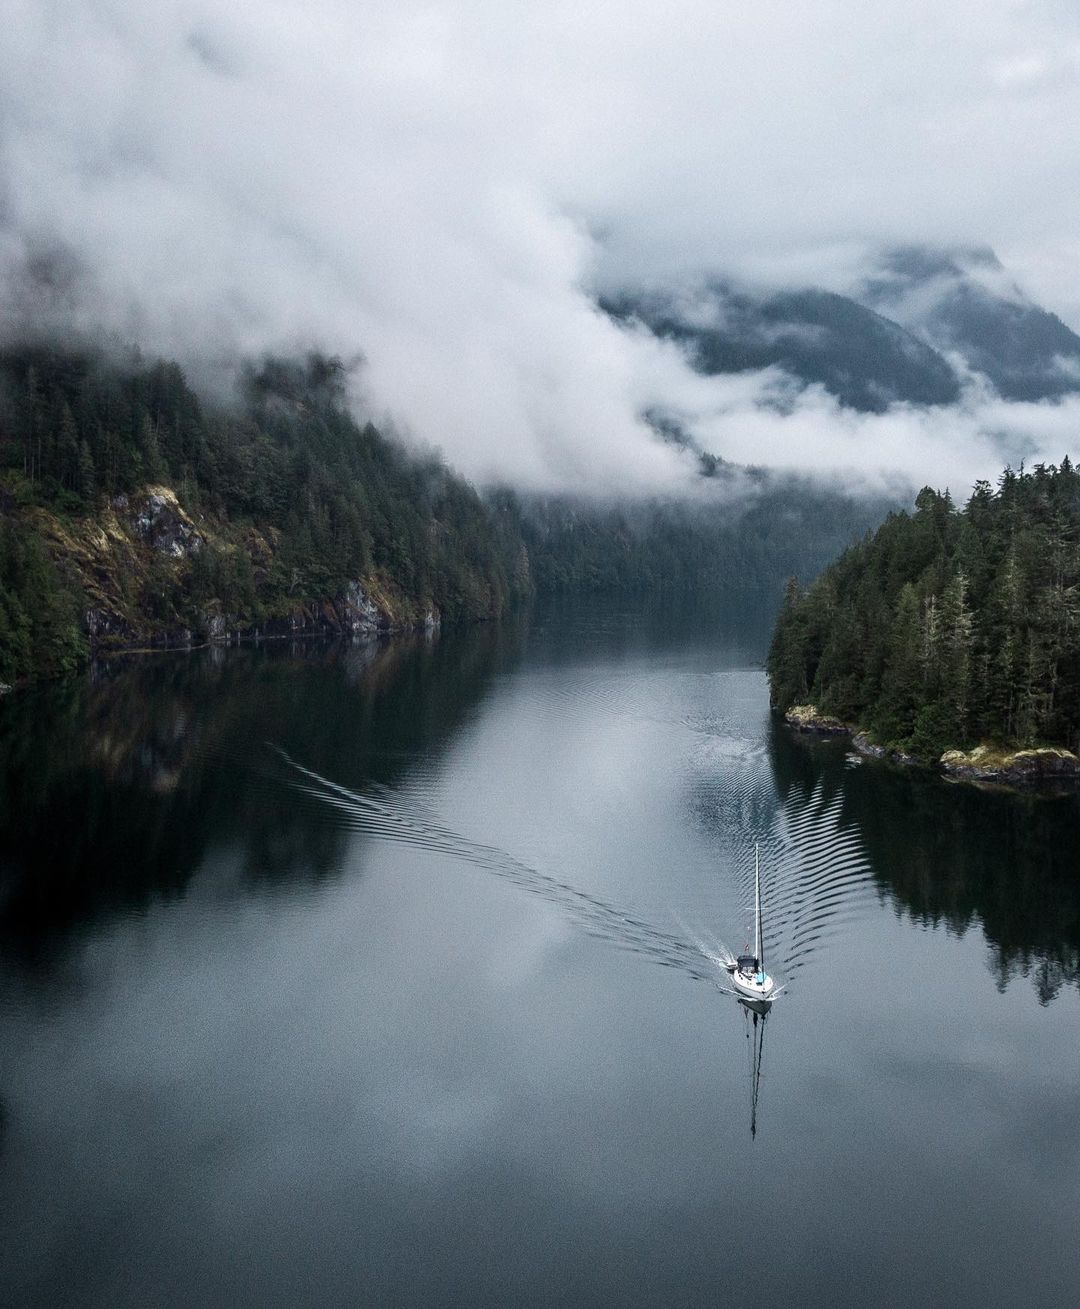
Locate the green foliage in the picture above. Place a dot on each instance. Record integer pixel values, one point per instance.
(303, 500)
(339, 499)
(949, 626)
(224, 579)
(740, 547)
(39, 612)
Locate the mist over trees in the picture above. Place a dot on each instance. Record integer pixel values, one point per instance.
(297, 501)
(738, 551)
(328, 500)
(865, 360)
(949, 626)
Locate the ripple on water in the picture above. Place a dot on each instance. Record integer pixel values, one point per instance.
(816, 877)
(396, 817)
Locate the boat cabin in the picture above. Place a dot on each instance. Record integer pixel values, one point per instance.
(748, 964)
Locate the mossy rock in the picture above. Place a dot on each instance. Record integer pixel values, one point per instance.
(807, 718)
(991, 762)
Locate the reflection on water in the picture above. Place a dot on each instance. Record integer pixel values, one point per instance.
(307, 992)
(401, 818)
(816, 874)
(114, 788)
(755, 1021)
(955, 855)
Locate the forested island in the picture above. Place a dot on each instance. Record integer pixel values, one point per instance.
(948, 630)
(135, 512)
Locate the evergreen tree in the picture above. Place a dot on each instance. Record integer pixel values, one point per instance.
(983, 644)
(902, 684)
(786, 669)
(302, 500)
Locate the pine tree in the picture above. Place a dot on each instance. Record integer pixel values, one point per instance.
(152, 462)
(87, 483)
(67, 450)
(902, 682)
(984, 642)
(786, 660)
(955, 667)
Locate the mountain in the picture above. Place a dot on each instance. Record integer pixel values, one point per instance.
(132, 512)
(963, 302)
(907, 333)
(861, 357)
(135, 513)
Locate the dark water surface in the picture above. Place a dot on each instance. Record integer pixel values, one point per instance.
(386, 976)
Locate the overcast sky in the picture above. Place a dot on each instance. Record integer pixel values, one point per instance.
(439, 185)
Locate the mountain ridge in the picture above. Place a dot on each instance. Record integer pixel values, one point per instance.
(912, 331)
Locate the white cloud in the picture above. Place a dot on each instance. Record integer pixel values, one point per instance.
(425, 181)
(945, 447)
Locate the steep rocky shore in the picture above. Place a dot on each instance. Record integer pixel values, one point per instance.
(138, 561)
(806, 718)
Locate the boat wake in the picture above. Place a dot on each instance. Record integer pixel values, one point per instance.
(815, 875)
(816, 878)
(391, 816)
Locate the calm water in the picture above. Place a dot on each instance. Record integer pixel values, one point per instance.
(385, 976)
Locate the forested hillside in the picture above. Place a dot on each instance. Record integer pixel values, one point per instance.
(128, 500)
(737, 549)
(949, 626)
(134, 513)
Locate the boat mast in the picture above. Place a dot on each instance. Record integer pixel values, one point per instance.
(757, 909)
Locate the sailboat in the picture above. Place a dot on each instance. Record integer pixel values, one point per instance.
(749, 977)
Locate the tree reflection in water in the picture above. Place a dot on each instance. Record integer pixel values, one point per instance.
(114, 787)
(955, 855)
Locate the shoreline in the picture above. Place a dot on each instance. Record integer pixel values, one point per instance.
(1030, 768)
(185, 642)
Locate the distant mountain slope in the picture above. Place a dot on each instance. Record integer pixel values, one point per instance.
(134, 513)
(964, 301)
(859, 356)
(924, 316)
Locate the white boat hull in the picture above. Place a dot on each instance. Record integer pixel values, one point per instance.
(755, 986)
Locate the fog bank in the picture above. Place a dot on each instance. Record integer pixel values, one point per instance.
(443, 186)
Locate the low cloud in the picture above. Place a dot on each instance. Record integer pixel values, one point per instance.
(907, 445)
(443, 186)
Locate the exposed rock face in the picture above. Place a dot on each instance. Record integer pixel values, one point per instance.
(806, 718)
(215, 627)
(100, 626)
(1018, 767)
(360, 615)
(159, 520)
(1043, 765)
(871, 750)
(865, 746)
(135, 558)
(361, 612)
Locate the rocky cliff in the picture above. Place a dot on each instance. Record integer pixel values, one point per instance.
(145, 568)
